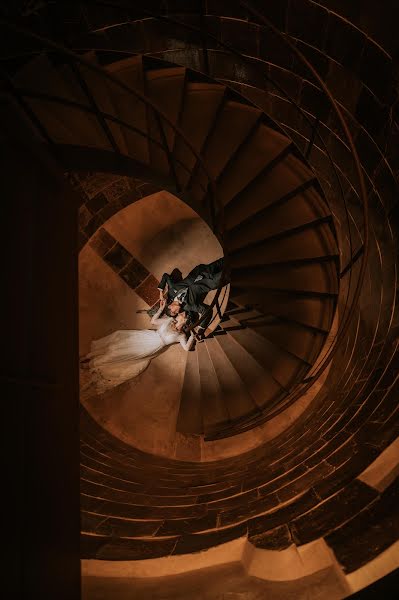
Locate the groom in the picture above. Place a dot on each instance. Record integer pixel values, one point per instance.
(189, 293)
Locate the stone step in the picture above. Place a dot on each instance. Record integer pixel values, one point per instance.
(261, 147)
(238, 401)
(215, 154)
(214, 411)
(98, 524)
(99, 88)
(316, 240)
(312, 312)
(130, 110)
(165, 87)
(319, 278)
(268, 187)
(284, 367)
(368, 533)
(140, 512)
(190, 411)
(300, 342)
(259, 383)
(281, 217)
(200, 104)
(107, 548)
(40, 76)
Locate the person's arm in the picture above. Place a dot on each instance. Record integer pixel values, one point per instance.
(155, 320)
(205, 322)
(163, 284)
(187, 343)
(163, 292)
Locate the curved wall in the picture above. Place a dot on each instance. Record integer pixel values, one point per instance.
(356, 423)
(308, 483)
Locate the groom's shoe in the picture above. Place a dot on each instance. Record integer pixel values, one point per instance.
(200, 334)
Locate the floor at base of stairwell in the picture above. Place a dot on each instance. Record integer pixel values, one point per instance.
(161, 233)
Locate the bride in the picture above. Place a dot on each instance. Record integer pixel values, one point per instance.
(125, 354)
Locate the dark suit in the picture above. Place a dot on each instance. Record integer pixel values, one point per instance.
(208, 278)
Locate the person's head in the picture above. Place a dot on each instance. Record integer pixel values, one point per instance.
(180, 321)
(173, 309)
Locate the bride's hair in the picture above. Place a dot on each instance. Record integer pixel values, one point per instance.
(184, 326)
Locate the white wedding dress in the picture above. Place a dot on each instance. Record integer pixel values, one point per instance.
(125, 354)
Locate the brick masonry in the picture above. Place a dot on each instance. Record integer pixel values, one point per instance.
(122, 262)
(102, 196)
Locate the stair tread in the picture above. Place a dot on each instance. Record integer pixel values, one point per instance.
(285, 177)
(200, 104)
(304, 344)
(319, 277)
(304, 244)
(165, 88)
(214, 411)
(253, 156)
(216, 155)
(260, 384)
(283, 367)
(189, 419)
(279, 310)
(129, 109)
(39, 75)
(235, 395)
(279, 218)
(101, 94)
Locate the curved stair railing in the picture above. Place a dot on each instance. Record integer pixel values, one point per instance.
(349, 310)
(312, 473)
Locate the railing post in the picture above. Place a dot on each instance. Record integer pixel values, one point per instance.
(312, 137)
(75, 70)
(26, 108)
(167, 151)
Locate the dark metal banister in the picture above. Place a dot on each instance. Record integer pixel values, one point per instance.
(343, 327)
(363, 191)
(343, 324)
(55, 99)
(294, 49)
(146, 101)
(115, 80)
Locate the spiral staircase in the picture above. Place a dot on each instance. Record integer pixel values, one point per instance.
(279, 232)
(321, 482)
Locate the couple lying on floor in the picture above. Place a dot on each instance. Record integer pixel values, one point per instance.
(125, 354)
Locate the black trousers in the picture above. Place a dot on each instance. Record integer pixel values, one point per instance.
(196, 290)
(211, 277)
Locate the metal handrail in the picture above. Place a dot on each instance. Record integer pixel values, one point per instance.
(363, 192)
(345, 323)
(345, 320)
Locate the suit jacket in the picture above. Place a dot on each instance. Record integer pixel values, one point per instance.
(201, 280)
